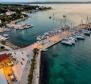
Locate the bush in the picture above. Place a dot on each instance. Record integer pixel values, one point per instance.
(2, 47)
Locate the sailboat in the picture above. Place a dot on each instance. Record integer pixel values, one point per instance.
(65, 27)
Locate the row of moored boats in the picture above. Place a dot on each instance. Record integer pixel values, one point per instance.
(79, 35)
(70, 40)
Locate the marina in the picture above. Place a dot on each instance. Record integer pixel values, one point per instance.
(45, 43)
(51, 69)
(64, 48)
(52, 39)
(19, 26)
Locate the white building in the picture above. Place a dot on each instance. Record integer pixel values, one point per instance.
(10, 12)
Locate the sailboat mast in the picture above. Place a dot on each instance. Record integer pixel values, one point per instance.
(87, 21)
(64, 18)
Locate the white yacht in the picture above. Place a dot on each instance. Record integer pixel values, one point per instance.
(5, 35)
(80, 36)
(68, 41)
(87, 32)
(65, 41)
(45, 50)
(26, 26)
(38, 38)
(72, 39)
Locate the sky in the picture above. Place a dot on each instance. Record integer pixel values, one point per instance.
(37, 0)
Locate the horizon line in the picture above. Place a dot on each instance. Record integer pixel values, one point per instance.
(49, 2)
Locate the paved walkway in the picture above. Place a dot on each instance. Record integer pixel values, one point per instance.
(24, 56)
(46, 43)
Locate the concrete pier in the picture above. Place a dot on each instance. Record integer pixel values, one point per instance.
(42, 45)
(21, 69)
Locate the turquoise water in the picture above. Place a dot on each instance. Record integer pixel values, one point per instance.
(68, 65)
(62, 64)
(42, 23)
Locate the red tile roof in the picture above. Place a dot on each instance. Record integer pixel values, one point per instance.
(3, 57)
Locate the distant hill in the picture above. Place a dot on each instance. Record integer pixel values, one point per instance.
(60, 2)
(89, 2)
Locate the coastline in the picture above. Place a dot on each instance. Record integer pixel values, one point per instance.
(47, 44)
(22, 16)
(11, 45)
(17, 12)
(27, 52)
(37, 72)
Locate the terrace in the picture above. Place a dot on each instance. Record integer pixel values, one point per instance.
(6, 63)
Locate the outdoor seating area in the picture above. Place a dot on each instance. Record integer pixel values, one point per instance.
(6, 63)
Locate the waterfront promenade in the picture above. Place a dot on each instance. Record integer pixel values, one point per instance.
(24, 56)
(42, 45)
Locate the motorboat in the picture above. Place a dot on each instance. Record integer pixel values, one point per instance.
(45, 50)
(80, 36)
(5, 35)
(87, 32)
(72, 39)
(38, 38)
(68, 41)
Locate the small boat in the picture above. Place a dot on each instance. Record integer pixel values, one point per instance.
(5, 35)
(87, 32)
(28, 26)
(45, 50)
(80, 36)
(46, 33)
(68, 41)
(38, 38)
(72, 39)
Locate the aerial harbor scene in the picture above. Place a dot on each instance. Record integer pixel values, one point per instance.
(45, 42)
